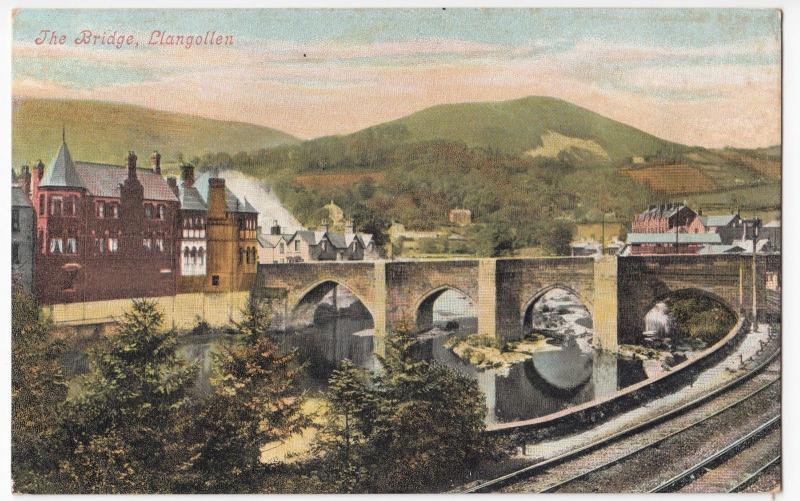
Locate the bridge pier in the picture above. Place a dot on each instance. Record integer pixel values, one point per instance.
(379, 309)
(605, 304)
(487, 297)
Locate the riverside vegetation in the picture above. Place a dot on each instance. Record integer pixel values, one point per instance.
(136, 426)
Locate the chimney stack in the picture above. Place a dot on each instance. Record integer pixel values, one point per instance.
(131, 165)
(173, 185)
(25, 180)
(275, 229)
(323, 226)
(155, 162)
(39, 169)
(187, 175)
(216, 198)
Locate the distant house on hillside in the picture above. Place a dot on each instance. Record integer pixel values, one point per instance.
(728, 226)
(321, 245)
(663, 218)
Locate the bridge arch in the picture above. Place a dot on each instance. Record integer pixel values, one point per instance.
(423, 309)
(526, 310)
(304, 304)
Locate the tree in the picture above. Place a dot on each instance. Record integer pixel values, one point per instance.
(558, 238)
(122, 424)
(415, 427)
(255, 399)
(351, 407)
(38, 391)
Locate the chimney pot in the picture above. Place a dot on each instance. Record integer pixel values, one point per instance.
(155, 162)
(187, 175)
(131, 165)
(39, 169)
(173, 185)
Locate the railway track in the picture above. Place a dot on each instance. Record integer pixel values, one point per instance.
(582, 466)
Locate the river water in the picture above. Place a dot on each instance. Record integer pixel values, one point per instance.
(569, 372)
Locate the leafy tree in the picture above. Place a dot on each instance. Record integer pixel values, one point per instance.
(38, 391)
(558, 238)
(255, 399)
(122, 424)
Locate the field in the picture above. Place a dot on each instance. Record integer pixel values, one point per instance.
(673, 179)
(763, 197)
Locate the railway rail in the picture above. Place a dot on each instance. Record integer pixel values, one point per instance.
(531, 473)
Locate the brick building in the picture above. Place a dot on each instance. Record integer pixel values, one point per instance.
(103, 231)
(663, 218)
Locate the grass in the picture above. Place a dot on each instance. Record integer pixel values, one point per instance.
(517, 126)
(104, 132)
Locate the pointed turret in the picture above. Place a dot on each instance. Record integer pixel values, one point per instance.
(61, 172)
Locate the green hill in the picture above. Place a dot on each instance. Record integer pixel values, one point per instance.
(520, 126)
(104, 132)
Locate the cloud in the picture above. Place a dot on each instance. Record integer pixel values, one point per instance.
(695, 95)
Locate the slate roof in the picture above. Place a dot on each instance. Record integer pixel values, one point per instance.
(670, 238)
(337, 240)
(660, 212)
(61, 172)
(306, 235)
(18, 197)
(720, 249)
(270, 240)
(103, 180)
(190, 198)
(232, 202)
(715, 221)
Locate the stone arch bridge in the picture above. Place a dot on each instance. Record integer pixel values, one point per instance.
(618, 292)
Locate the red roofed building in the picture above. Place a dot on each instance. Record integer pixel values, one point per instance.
(103, 231)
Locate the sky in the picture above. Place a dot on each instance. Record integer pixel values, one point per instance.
(696, 76)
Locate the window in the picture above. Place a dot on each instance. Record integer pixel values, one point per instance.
(297, 245)
(194, 255)
(202, 255)
(101, 210)
(160, 244)
(215, 280)
(72, 245)
(15, 219)
(148, 211)
(69, 206)
(15, 252)
(114, 211)
(241, 255)
(55, 205)
(186, 255)
(147, 243)
(99, 245)
(321, 244)
(161, 212)
(113, 245)
(56, 246)
(41, 205)
(280, 248)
